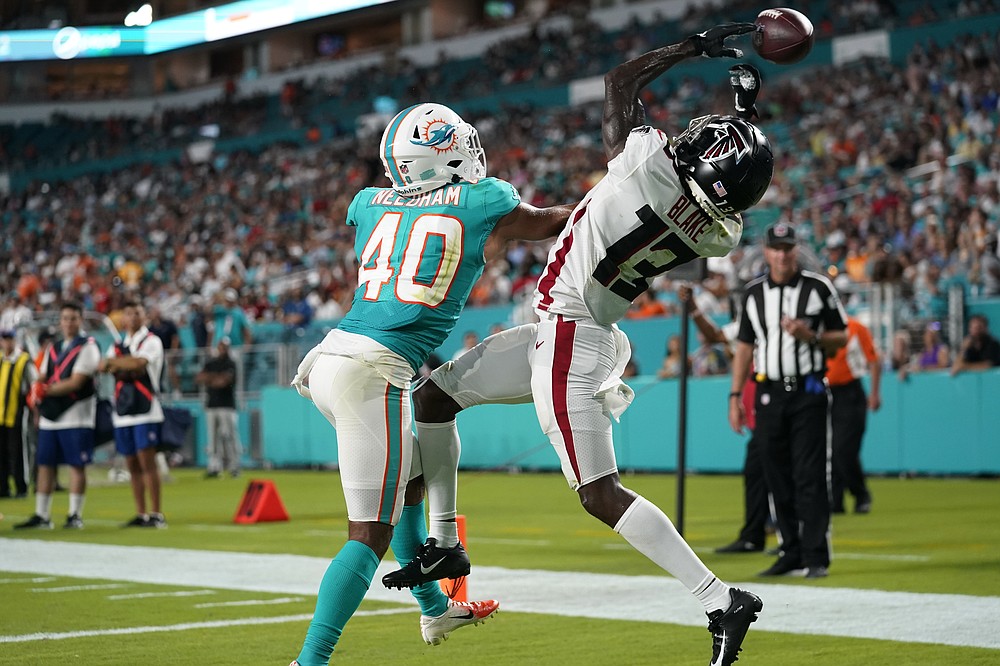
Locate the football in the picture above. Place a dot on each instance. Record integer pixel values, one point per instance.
(783, 35)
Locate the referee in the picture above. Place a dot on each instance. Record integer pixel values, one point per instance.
(791, 320)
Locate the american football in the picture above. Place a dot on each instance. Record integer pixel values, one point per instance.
(783, 36)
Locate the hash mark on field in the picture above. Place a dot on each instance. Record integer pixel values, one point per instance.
(79, 588)
(44, 579)
(214, 624)
(874, 556)
(224, 528)
(153, 595)
(252, 602)
(512, 542)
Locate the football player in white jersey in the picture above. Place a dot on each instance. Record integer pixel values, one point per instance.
(663, 203)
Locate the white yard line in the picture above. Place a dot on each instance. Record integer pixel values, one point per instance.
(156, 595)
(79, 588)
(215, 624)
(798, 609)
(252, 602)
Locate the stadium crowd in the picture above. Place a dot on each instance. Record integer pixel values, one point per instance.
(890, 173)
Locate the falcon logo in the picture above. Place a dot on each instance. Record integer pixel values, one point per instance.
(437, 134)
(728, 141)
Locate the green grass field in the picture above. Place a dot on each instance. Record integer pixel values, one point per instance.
(924, 535)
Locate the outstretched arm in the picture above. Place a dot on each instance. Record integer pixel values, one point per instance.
(623, 111)
(526, 222)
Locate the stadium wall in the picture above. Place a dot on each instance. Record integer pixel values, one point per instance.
(932, 423)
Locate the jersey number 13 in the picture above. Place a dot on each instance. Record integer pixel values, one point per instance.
(624, 252)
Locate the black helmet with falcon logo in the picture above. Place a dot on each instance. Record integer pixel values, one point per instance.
(725, 163)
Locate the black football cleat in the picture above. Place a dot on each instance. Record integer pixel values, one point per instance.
(430, 564)
(729, 627)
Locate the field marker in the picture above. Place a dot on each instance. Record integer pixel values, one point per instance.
(154, 595)
(79, 588)
(187, 626)
(252, 602)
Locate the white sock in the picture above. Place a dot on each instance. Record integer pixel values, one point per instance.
(649, 531)
(76, 504)
(440, 449)
(43, 505)
(445, 531)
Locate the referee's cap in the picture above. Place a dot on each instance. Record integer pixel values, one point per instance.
(780, 234)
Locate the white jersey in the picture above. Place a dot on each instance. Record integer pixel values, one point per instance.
(148, 346)
(83, 414)
(636, 223)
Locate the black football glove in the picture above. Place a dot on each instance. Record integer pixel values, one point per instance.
(745, 81)
(712, 42)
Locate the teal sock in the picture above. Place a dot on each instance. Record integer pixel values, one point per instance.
(409, 534)
(344, 585)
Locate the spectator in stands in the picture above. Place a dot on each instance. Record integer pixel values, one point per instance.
(900, 357)
(671, 366)
(646, 305)
(296, 313)
(197, 321)
(218, 376)
(980, 350)
(989, 267)
(934, 354)
(230, 322)
(709, 358)
(469, 340)
(166, 330)
(15, 312)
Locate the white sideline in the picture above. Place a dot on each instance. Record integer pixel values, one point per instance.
(798, 609)
(213, 624)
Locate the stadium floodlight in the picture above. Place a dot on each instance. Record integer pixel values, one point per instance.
(141, 17)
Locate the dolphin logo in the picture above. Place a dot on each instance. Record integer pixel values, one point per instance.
(436, 137)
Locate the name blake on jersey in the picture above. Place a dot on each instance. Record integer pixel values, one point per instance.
(442, 196)
(693, 223)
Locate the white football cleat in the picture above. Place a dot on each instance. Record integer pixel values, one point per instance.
(435, 630)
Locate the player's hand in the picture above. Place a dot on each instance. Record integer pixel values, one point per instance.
(745, 81)
(737, 416)
(36, 394)
(712, 42)
(685, 293)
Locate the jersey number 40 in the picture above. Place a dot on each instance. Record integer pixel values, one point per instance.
(376, 258)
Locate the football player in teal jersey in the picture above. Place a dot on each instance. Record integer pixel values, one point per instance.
(421, 246)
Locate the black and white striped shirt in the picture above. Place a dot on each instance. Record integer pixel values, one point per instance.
(808, 296)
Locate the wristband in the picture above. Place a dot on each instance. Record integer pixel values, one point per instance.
(735, 394)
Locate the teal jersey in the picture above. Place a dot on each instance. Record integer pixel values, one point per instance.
(419, 258)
